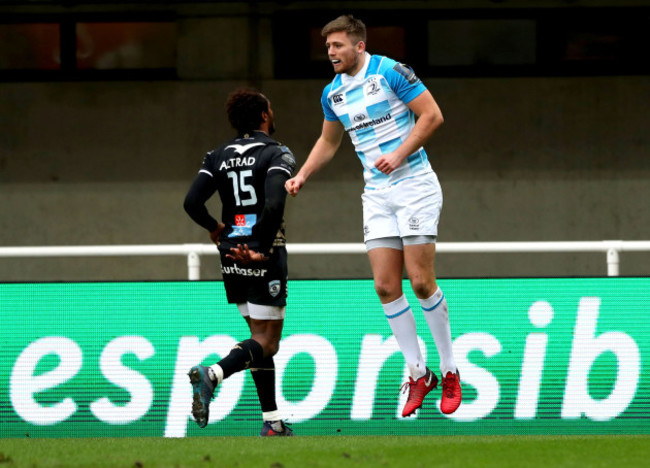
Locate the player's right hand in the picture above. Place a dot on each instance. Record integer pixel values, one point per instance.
(214, 235)
(294, 185)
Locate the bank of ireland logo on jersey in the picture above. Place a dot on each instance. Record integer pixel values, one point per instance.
(414, 224)
(274, 288)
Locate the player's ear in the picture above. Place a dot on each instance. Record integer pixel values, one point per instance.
(361, 46)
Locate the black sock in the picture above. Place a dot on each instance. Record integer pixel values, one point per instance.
(243, 355)
(264, 378)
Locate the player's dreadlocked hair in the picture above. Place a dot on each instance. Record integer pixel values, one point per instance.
(244, 108)
(354, 28)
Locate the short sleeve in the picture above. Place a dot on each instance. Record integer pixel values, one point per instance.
(283, 161)
(327, 110)
(403, 81)
(208, 164)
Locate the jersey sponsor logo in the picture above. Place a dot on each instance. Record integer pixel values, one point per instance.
(337, 99)
(240, 220)
(370, 123)
(236, 162)
(243, 225)
(414, 224)
(274, 288)
(235, 270)
(407, 72)
(359, 117)
(241, 149)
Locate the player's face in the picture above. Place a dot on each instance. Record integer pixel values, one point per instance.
(345, 55)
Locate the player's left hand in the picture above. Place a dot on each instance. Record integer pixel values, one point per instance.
(245, 255)
(293, 185)
(388, 162)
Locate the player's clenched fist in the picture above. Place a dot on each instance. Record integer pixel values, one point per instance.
(387, 163)
(294, 185)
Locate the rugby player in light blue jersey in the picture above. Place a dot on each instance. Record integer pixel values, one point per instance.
(389, 115)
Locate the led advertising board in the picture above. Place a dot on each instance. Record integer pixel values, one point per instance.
(536, 356)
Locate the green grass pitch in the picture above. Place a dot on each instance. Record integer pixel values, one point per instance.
(331, 451)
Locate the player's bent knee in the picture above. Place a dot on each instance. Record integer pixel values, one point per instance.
(387, 291)
(272, 349)
(424, 291)
(270, 344)
(423, 288)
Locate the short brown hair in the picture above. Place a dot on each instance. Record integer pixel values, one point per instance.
(354, 28)
(244, 107)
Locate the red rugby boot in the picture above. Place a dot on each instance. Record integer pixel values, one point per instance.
(418, 389)
(451, 393)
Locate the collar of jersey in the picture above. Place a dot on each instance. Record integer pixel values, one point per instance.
(256, 135)
(361, 74)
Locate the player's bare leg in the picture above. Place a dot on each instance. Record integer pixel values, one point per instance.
(419, 261)
(267, 333)
(387, 265)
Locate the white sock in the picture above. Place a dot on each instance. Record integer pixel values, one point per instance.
(402, 323)
(436, 314)
(215, 373)
(271, 415)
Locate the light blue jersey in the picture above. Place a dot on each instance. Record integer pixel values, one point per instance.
(372, 106)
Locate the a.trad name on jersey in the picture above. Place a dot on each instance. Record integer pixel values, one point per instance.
(236, 162)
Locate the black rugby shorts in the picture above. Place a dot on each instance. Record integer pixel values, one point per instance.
(262, 283)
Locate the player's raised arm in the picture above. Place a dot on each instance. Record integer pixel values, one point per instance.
(322, 152)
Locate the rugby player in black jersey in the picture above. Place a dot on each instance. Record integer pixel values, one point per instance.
(249, 172)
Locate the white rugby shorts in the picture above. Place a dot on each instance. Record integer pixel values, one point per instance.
(410, 207)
